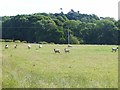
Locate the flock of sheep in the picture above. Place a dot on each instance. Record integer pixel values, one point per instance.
(15, 46)
(67, 50)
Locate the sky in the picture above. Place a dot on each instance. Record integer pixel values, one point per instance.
(101, 8)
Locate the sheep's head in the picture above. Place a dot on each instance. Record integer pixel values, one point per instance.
(117, 47)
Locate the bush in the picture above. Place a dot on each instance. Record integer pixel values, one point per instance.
(8, 40)
(51, 43)
(24, 41)
(74, 40)
(17, 41)
(81, 41)
(43, 42)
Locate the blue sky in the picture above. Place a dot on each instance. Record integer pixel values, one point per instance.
(104, 8)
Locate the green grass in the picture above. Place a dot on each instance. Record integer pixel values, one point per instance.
(86, 66)
(0, 66)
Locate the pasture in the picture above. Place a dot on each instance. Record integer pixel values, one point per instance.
(86, 66)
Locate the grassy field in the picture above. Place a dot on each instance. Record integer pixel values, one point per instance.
(86, 66)
(0, 66)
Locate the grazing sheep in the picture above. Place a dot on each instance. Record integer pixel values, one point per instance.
(114, 49)
(56, 50)
(69, 45)
(29, 46)
(6, 46)
(67, 50)
(15, 46)
(40, 46)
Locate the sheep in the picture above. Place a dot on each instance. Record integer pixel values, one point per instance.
(6, 46)
(69, 45)
(67, 50)
(40, 46)
(29, 46)
(15, 46)
(56, 50)
(114, 49)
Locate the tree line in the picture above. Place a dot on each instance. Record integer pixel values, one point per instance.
(53, 28)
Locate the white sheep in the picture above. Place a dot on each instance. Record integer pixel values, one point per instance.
(69, 45)
(40, 46)
(114, 49)
(67, 50)
(29, 46)
(15, 46)
(57, 50)
(6, 46)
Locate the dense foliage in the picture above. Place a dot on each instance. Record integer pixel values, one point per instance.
(83, 28)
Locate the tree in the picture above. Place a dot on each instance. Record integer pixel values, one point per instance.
(83, 28)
